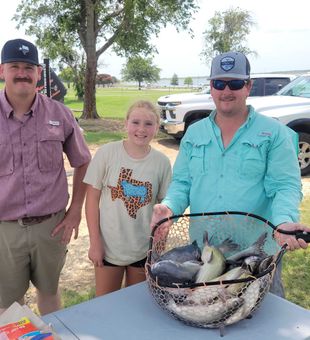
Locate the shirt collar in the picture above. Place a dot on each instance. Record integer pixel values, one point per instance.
(251, 115)
(8, 109)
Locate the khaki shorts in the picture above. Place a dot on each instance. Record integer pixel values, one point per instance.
(29, 253)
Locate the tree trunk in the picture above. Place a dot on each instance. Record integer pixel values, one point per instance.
(90, 109)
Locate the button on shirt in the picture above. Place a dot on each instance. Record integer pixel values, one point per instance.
(257, 172)
(32, 176)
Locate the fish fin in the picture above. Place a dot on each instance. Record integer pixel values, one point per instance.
(260, 243)
(228, 245)
(261, 240)
(205, 237)
(209, 257)
(194, 243)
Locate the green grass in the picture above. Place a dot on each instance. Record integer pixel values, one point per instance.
(102, 137)
(71, 297)
(296, 264)
(114, 102)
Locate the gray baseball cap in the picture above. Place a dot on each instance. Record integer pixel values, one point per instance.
(230, 65)
(19, 50)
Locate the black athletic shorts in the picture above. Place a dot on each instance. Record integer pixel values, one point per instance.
(137, 264)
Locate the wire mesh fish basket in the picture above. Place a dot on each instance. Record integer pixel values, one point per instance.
(192, 277)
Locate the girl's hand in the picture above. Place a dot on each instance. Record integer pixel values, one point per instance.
(96, 254)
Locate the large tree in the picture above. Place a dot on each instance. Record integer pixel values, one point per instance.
(64, 28)
(227, 31)
(140, 69)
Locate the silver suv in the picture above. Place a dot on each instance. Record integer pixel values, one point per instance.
(290, 105)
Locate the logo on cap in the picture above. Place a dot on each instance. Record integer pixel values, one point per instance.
(24, 49)
(227, 63)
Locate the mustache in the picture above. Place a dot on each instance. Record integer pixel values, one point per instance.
(228, 97)
(22, 80)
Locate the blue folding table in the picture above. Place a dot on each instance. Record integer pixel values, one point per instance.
(132, 314)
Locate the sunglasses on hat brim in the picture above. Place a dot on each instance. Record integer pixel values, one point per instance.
(234, 84)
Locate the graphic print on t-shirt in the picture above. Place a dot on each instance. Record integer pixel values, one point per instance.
(135, 194)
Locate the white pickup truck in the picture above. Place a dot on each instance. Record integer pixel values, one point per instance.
(290, 105)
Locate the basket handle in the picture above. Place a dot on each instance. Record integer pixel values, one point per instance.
(298, 234)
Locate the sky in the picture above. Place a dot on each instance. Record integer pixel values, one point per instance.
(280, 38)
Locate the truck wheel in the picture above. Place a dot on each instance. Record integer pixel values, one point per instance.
(304, 153)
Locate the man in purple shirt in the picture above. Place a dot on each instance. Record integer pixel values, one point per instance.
(35, 226)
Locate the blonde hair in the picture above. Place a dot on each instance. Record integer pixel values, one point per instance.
(145, 104)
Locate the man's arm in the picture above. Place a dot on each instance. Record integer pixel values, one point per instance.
(283, 179)
(73, 215)
(283, 183)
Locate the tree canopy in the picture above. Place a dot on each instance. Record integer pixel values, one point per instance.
(227, 31)
(188, 81)
(71, 31)
(140, 69)
(174, 80)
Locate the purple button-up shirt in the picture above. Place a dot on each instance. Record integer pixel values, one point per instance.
(33, 180)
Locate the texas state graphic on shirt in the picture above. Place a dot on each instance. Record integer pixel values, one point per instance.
(135, 194)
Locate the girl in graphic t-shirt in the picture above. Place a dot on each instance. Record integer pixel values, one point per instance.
(125, 179)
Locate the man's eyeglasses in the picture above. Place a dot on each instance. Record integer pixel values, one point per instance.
(234, 85)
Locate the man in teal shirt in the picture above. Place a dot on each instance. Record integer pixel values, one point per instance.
(237, 159)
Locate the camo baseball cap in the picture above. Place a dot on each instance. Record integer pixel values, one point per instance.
(230, 65)
(19, 50)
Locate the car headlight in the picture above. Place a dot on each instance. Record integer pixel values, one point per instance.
(172, 104)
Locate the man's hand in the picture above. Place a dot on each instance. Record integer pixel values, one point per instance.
(70, 222)
(161, 211)
(290, 240)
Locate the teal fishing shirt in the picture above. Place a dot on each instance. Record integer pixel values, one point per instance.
(258, 172)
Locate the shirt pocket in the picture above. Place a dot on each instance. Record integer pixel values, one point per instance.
(7, 159)
(253, 160)
(50, 150)
(196, 161)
